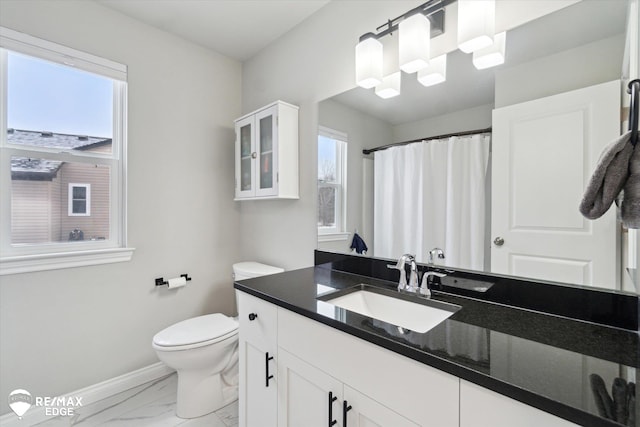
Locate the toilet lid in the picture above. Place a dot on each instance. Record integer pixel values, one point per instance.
(196, 330)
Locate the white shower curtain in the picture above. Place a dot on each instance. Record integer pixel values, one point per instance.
(432, 194)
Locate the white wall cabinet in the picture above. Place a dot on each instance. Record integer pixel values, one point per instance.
(480, 407)
(266, 153)
(258, 351)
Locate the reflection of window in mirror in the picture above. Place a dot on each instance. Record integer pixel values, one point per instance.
(332, 180)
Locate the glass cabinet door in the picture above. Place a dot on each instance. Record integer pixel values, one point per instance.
(266, 122)
(245, 155)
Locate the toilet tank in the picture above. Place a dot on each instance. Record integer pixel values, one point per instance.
(249, 269)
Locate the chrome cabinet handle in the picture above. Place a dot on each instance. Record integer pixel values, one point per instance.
(498, 241)
(254, 155)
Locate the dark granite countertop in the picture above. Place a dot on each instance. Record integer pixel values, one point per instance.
(543, 360)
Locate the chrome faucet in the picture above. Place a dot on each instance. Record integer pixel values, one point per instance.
(435, 252)
(424, 286)
(412, 286)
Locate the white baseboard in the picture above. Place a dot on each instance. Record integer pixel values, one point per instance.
(93, 393)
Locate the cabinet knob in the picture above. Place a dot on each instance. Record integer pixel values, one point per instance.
(254, 155)
(252, 316)
(498, 241)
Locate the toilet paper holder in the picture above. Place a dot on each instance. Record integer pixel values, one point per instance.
(161, 282)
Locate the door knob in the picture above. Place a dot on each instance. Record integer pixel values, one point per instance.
(498, 241)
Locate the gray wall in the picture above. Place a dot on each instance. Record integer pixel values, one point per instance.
(63, 330)
(311, 63)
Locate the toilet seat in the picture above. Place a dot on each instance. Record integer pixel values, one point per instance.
(196, 332)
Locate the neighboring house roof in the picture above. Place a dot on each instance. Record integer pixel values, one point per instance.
(24, 168)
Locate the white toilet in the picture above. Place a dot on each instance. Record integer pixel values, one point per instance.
(204, 352)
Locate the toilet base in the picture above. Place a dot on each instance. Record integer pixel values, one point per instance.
(200, 394)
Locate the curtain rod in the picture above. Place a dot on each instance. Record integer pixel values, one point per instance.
(448, 135)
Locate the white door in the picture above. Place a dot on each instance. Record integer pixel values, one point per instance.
(544, 152)
(307, 396)
(362, 411)
(258, 400)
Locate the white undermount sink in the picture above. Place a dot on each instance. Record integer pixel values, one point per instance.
(419, 315)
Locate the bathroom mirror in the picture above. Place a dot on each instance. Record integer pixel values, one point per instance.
(573, 49)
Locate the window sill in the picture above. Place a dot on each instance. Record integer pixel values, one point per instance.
(333, 237)
(55, 261)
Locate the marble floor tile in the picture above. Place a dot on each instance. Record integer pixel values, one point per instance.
(151, 404)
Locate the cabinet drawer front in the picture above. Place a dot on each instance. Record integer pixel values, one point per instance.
(258, 321)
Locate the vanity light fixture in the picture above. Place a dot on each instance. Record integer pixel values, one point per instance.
(376, 68)
(368, 62)
(476, 24)
(492, 55)
(414, 41)
(390, 86)
(369, 50)
(436, 71)
(392, 78)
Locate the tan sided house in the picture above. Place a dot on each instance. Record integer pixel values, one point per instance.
(56, 201)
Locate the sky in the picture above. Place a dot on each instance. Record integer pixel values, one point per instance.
(45, 96)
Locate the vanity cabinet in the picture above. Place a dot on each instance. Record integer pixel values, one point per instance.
(504, 412)
(381, 387)
(266, 153)
(257, 343)
(312, 398)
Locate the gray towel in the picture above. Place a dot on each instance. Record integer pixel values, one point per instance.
(608, 178)
(630, 209)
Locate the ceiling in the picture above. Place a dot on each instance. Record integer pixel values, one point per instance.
(466, 87)
(235, 28)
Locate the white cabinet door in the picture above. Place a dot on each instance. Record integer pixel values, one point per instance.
(266, 163)
(258, 345)
(362, 411)
(245, 157)
(547, 150)
(480, 407)
(306, 396)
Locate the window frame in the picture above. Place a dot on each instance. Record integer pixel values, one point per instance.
(71, 199)
(338, 231)
(22, 258)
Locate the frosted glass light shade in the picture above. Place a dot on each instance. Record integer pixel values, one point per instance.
(436, 71)
(492, 55)
(368, 63)
(476, 24)
(414, 43)
(390, 86)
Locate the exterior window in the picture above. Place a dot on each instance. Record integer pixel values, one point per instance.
(79, 199)
(332, 177)
(62, 154)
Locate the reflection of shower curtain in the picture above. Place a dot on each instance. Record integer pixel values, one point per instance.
(432, 194)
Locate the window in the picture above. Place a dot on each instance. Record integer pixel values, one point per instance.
(62, 156)
(332, 177)
(79, 200)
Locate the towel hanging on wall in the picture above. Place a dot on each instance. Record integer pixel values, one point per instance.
(630, 209)
(608, 179)
(358, 244)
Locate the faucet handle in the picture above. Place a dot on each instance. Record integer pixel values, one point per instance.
(424, 286)
(402, 283)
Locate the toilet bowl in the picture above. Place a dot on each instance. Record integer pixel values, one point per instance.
(204, 352)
